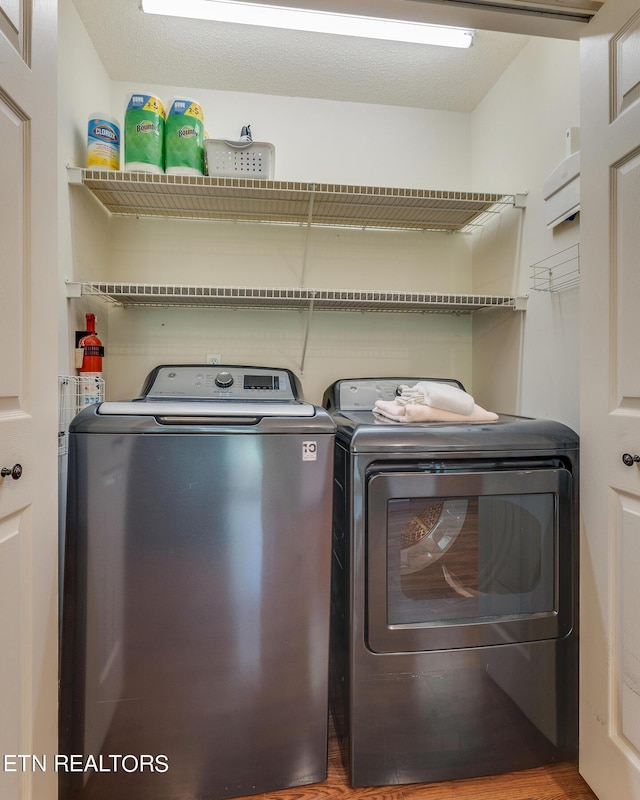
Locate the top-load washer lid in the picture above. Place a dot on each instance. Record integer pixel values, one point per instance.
(195, 390)
(203, 399)
(197, 409)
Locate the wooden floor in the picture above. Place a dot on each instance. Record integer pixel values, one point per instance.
(557, 782)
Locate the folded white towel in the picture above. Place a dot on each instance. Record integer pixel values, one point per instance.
(445, 396)
(394, 411)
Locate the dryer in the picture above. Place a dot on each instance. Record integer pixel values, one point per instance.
(454, 592)
(194, 658)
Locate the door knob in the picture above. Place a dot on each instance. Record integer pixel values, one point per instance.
(630, 460)
(15, 472)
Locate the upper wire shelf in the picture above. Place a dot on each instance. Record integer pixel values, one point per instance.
(284, 202)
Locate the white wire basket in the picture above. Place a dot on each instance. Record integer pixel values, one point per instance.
(558, 272)
(227, 159)
(75, 392)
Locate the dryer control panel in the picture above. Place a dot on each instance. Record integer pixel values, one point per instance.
(360, 394)
(206, 382)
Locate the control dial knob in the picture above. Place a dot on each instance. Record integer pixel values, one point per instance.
(224, 380)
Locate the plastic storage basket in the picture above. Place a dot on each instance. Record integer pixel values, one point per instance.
(227, 159)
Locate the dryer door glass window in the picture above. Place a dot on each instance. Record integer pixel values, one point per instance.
(470, 558)
(467, 559)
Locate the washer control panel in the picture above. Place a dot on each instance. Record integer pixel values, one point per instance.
(205, 382)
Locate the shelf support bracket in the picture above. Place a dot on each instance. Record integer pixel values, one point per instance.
(74, 175)
(73, 288)
(520, 200)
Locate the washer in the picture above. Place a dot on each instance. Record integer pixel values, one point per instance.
(454, 599)
(196, 599)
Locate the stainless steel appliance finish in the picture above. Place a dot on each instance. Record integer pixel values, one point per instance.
(196, 600)
(454, 592)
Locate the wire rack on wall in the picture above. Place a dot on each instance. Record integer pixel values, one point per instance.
(287, 298)
(74, 393)
(247, 200)
(558, 272)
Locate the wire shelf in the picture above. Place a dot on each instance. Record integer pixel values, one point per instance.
(558, 272)
(287, 299)
(285, 202)
(75, 392)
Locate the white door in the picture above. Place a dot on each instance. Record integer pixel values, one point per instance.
(610, 413)
(28, 399)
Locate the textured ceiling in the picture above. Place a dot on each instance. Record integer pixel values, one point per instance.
(171, 51)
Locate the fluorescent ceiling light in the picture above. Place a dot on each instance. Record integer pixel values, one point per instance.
(314, 21)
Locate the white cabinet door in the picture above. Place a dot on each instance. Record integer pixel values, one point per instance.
(610, 413)
(28, 399)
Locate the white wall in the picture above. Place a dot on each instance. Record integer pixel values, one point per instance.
(339, 345)
(510, 143)
(84, 88)
(335, 142)
(315, 141)
(526, 363)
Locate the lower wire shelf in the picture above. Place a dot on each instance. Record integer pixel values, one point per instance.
(288, 298)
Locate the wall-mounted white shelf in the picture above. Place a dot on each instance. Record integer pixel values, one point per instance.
(287, 299)
(250, 200)
(278, 202)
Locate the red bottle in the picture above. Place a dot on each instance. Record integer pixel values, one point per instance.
(92, 349)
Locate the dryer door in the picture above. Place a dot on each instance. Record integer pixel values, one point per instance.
(468, 556)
